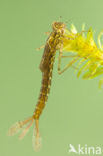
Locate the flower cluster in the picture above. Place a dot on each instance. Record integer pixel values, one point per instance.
(83, 47)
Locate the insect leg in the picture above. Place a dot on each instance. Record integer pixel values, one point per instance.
(40, 47)
(68, 65)
(47, 33)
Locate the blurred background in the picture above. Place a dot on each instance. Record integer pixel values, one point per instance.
(74, 111)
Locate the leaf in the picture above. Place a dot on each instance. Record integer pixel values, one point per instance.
(83, 68)
(73, 29)
(100, 83)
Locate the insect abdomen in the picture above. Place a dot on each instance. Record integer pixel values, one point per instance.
(46, 68)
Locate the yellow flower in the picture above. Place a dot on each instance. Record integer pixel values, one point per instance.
(90, 55)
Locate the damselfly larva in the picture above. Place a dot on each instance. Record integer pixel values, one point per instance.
(53, 43)
(84, 50)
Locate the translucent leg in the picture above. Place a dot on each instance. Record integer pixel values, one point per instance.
(68, 65)
(40, 47)
(47, 33)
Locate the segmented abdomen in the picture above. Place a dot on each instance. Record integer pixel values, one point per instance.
(46, 67)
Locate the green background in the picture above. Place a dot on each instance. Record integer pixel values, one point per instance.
(74, 111)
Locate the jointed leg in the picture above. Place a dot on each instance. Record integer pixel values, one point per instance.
(40, 47)
(68, 65)
(47, 33)
(59, 61)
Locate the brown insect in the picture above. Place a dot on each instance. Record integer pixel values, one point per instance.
(53, 43)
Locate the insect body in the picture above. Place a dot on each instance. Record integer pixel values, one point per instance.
(84, 50)
(46, 66)
(53, 44)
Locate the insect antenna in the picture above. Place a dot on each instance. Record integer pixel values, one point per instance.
(68, 21)
(60, 18)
